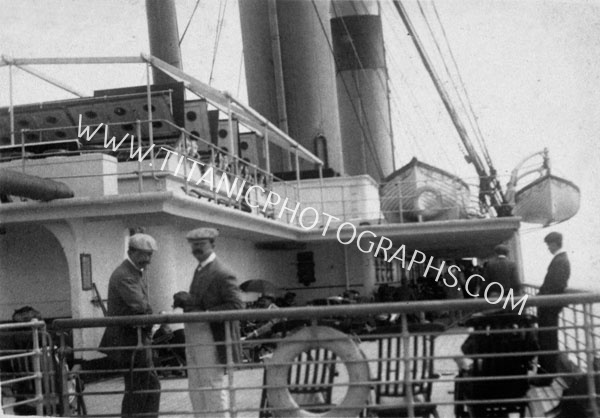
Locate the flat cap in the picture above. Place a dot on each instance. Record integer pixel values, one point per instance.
(142, 242)
(202, 233)
(554, 237)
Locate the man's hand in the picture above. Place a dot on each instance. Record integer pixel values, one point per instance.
(181, 300)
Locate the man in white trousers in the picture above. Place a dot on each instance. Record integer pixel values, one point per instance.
(213, 288)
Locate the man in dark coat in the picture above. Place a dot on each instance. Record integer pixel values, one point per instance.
(555, 282)
(128, 295)
(502, 270)
(213, 288)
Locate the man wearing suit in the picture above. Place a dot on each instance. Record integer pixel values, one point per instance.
(500, 269)
(213, 288)
(555, 282)
(128, 295)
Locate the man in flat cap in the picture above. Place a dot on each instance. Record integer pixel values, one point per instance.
(214, 288)
(502, 270)
(128, 295)
(555, 282)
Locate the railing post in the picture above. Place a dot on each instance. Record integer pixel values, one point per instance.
(589, 351)
(185, 171)
(149, 104)
(22, 149)
(37, 369)
(64, 376)
(11, 105)
(408, 359)
(230, 368)
(138, 132)
(576, 329)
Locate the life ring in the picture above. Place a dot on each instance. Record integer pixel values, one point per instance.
(426, 213)
(279, 365)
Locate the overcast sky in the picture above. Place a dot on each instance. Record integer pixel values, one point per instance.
(531, 69)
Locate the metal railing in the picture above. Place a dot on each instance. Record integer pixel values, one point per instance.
(24, 363)
(189, 168)
(330, 358)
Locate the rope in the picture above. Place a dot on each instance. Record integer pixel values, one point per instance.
(470, 114)
(220, 21)
(189, 22)
(425, 121)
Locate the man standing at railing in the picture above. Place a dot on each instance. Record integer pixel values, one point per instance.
(555, 282)
(214, 288)
(128, 295)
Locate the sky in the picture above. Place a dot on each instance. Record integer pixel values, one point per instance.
(531, 70)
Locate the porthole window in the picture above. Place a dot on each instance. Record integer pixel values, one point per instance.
(157, 124)
(145, 107)
(90, 114)
(52, 120)
(223, 133)
(119, 111)
(191, 116)
(127, 127)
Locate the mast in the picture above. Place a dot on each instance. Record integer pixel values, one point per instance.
(164, 36)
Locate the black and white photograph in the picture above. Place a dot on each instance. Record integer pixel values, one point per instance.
(300, 208)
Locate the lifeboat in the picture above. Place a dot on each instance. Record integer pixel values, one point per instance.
(421, 192)
(546, 200)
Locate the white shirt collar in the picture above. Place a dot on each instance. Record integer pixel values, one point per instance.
(206, 262)
(501, 256)
(559, 252)
(133, 264)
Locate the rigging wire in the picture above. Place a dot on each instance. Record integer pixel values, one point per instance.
(416, 108)
(237, 94)
(470, 114)
(189, 22)
(221, 19)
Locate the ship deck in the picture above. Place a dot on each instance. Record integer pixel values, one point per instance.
(103, 397)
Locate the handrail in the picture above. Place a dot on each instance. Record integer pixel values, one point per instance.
(314, 312)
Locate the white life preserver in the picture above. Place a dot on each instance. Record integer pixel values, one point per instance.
(428, 212)
(278, 367)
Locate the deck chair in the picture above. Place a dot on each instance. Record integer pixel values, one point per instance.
(518, 337)
(310, 382)
(390, 388)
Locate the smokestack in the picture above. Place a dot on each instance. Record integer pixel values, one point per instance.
(164, 36)
(307, 68)
(362, 88)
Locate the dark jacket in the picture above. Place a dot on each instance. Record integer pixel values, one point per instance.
(557, 276)
(214, 288)
(127, 295)
(503, 271)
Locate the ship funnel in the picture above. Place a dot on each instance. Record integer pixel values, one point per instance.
(362, 88)
(164, 36)
(290, 74)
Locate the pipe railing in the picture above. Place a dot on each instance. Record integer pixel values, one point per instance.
(245, 380)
